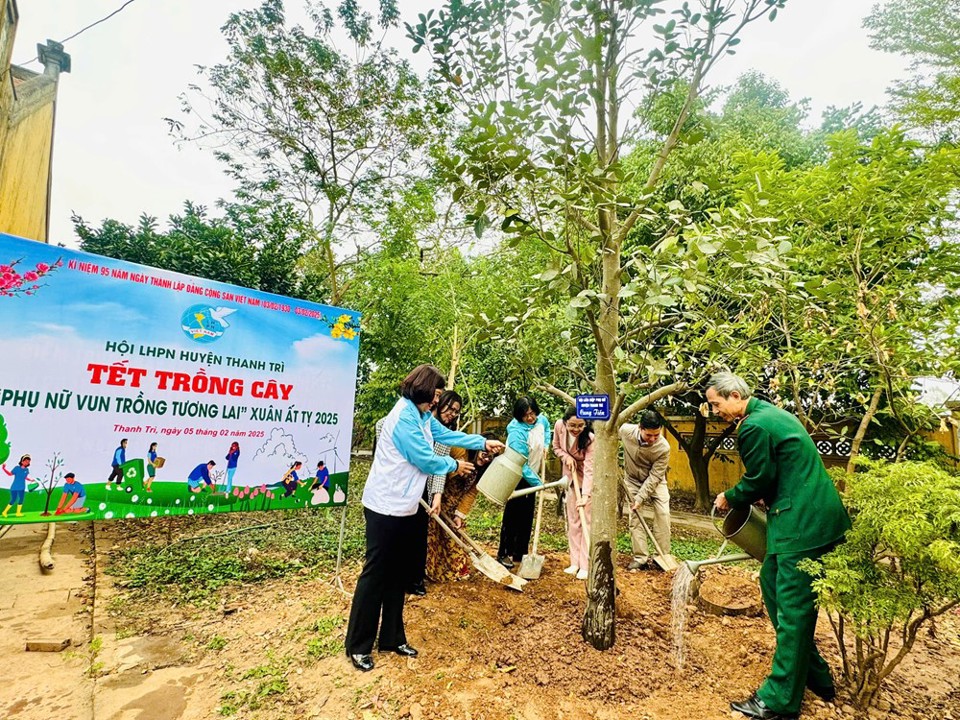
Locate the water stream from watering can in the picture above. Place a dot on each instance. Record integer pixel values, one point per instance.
(679, 600)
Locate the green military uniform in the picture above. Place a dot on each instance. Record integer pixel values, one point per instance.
(805, 519)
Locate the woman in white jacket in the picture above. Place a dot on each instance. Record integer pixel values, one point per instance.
(403, 460)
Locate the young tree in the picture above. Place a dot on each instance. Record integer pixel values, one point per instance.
(896, 570)
(546, 89)
(54, 465)
(298, 121)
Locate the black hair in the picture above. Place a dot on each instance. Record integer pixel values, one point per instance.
(320, 463)
(472, 457)
(211, 462)
(152, 446)
(448, 398)
(69, 475)
(586, 437)
(422, 383)
(522, 405)
(651, 420)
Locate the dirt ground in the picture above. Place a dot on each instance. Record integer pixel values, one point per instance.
(275, 651)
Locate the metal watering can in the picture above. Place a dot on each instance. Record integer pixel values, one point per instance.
(499, 482)
(744, 527)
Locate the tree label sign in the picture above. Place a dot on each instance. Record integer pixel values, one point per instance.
(593, 407)
(131, 392)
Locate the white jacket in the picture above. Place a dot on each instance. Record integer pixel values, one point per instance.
(404, 457)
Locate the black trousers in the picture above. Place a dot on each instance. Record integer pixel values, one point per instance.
(381, 587)
(418, 569)
(115, 474)
(517, 526)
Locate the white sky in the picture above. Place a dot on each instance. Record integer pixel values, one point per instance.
(114, 158)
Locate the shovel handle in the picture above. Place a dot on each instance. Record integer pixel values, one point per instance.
(580, 509)
(446, 528)
(643, 524)
(536, 532)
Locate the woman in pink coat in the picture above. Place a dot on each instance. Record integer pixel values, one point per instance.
(573, 444)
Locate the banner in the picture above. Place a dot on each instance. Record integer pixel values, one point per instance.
(128, 391)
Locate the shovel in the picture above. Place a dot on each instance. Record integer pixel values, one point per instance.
(532, 564)
(478, 558)
(581, 510)
(667, 563)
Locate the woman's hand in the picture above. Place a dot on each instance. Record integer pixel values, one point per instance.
(569, 464)
(435, 505)
(495, 446)
(464, 467)
(583, 502)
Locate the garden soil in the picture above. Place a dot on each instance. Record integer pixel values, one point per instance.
(275, 651)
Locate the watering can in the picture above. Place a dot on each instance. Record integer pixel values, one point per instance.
(502, 476)
(745, 527)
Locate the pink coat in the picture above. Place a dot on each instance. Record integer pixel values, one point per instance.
(584, 459)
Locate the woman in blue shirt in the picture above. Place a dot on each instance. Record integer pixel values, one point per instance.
(151, 468)
(529, 433)
(18, 489)
(233, 455)
(291, 479)
(391, 496)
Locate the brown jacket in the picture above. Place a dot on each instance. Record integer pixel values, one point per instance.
(644, 465)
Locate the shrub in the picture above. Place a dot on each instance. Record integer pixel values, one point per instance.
(898, 568)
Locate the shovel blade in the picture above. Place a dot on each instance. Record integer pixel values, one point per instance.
(497, 572)
(667, 563)
(531, 566)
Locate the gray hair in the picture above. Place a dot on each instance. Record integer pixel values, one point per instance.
(725, 383)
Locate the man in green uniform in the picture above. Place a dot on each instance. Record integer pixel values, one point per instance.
(805, 519)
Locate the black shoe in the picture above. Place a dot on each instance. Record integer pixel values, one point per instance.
(417, 589)
(753, 707)
(404, 650)
(364, 663)
(824, 693)
(506, 562)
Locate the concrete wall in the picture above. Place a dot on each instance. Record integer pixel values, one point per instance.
(27, 111)
(25, 175)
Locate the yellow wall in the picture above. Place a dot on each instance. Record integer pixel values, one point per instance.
(24, 175)
(725, 466)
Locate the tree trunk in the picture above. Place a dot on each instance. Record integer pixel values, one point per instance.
(862, 429)
(599, 626)
(700, 469)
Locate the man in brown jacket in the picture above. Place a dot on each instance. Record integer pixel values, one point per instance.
(646, 455)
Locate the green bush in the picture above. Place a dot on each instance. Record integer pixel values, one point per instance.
(898, 568)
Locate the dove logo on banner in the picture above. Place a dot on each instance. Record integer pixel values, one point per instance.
(205, 324)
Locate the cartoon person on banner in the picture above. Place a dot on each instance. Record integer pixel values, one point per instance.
(291, 479)
(200, 475)
(232, 457)
(119, 458)
(321, 485)
(18, 489)
(151, 467)
(73, 496)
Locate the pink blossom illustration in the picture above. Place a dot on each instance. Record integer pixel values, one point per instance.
(13, 283)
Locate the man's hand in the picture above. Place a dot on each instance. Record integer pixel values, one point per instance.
(457, 522)
(464, 468)
(435, 505)
(720, 502)
(495, 446)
